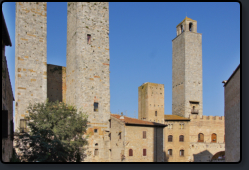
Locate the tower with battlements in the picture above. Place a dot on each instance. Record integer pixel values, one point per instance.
(187, 70)
(30, 56)
(87, 74)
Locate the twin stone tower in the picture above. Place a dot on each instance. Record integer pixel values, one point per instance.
(87, 80)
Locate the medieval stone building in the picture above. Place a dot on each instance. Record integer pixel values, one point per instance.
(85, 83)
(7, 99)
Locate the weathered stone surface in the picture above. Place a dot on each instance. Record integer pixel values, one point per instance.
(187, 72)
(85, 61)
(232, 117)
(151, 102)
(31, 56)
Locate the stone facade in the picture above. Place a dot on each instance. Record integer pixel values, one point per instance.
(7, 97)
(176, 127)
(232, 116)
(207, 125)
(187, 70)
(30, 56)
(145, 139)
(151, 102)
(87, 77)
(56, 83)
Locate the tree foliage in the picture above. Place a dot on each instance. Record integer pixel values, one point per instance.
(55, 134)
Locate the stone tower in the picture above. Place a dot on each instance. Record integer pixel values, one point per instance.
(187, 70)
(87, 74)
(151, 102)
(30, 56)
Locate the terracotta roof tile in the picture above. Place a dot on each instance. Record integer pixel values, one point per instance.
(174, 117)
(129, 120)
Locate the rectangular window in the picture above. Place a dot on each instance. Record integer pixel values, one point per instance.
(181, 152)
(144, 134)
(96, 106)
(23, 125)
(170, 152)
(88, 38)
(110, 136)
(119, 135)
(144, 152)
(96, 152)
(155, 113)
(95, 130)
(110, 123)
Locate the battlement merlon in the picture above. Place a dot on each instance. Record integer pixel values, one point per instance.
(211, 118)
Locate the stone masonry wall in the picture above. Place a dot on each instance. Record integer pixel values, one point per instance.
(203, 151)
(151, 99)
(186, 73)
(175, 130)
(55, 82)
(87, 77)
(232, 118)
(178, 75)
(193, 71)
(30, 56)
(117, 145)
(7, 104)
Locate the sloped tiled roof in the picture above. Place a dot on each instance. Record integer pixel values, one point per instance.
(133, 121)
(186, 18)
(174, 117)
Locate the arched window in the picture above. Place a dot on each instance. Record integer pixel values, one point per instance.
(182, 152)
(190, 26)
(130, 152)
(200, 137)
(170, 152)
(181, 138)
(213, 138)
(170, 138)
(182, 28)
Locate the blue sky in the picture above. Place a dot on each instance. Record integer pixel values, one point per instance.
(141, 37)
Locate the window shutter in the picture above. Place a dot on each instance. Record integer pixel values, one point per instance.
(144, 134)
(130, 152)
(144, 152)
(4, 123)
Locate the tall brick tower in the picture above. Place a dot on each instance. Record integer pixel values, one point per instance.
(30, 56)
(151, 102)
(187, 70)
(87, 74)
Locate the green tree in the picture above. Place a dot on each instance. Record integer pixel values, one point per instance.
(55, 134)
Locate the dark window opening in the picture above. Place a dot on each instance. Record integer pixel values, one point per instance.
(170, 152)
(144, 134)
(181, 138)
(95, 130)
(110, 136)
(155, 113)
(5, 124)
(119, 134)
(190, 26)
(96, 144)
(88, 38)
(181, 152)
(200, 137)
(130, 152)
(96, 106)
(182, 28)
(170, 138)
(144, 152)
(110, 123)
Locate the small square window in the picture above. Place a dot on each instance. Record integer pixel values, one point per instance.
(95, 130)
